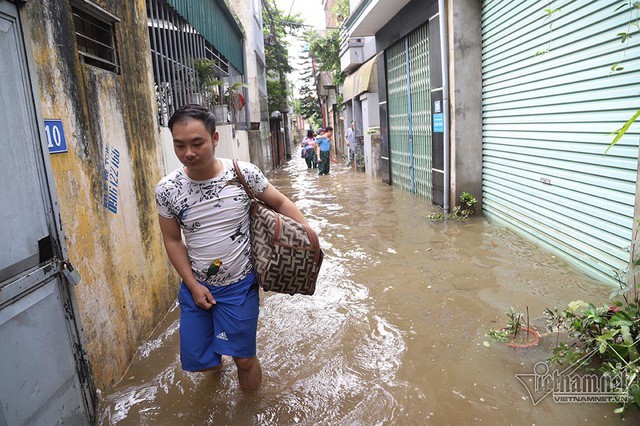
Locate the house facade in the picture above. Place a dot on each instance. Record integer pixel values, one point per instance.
(87, 90)
(257, 110)
(520, 117)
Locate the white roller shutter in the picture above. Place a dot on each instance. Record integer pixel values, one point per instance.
(547, 121)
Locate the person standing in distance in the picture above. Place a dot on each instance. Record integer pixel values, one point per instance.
(309, 148)
(324, 151)
(350, 138)
(219, 300)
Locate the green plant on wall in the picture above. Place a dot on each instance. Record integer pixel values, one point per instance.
(463, 211)
(548, 19)
(632, 29)
(626, 35)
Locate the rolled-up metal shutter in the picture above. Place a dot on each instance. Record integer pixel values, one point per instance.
(547, 120)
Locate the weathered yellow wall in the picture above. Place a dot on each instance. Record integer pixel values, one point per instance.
(127, 283)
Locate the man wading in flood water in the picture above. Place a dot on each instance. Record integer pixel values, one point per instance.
(218, 297)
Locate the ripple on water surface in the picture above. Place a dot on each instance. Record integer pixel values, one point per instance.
(394, 334)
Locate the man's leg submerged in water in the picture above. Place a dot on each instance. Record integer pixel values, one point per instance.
(249, 373)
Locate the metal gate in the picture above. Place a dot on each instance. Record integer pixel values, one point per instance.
(409, 106)
(550, 101)
(45, 376)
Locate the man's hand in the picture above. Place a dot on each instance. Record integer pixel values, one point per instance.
(202, 296)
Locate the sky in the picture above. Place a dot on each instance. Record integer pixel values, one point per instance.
(311, 10)
(312, 13)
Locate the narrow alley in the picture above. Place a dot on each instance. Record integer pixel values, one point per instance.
(395, 333)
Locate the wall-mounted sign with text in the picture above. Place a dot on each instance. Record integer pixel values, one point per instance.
(438, 123)
(56, 141)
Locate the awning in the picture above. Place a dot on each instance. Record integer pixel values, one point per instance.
(361, 81)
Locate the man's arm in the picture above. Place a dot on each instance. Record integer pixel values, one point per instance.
(177, 252)
(280, 203)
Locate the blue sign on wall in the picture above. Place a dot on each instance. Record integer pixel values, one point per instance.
(56, 141)
(438, 123)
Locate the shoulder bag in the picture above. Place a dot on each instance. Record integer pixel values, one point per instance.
(286, 254)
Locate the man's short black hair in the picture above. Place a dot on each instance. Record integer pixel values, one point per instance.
(329, 129)
(194, 112)
(310, 133)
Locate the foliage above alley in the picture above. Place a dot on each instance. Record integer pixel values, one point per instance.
(308, 104)
(277, 56)
(326, 51)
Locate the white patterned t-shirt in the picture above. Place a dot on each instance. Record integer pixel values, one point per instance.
(214, 217)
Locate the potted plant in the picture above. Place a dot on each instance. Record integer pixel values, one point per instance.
(602, 338)
(207, 85)
(517, 334)
(235, 100)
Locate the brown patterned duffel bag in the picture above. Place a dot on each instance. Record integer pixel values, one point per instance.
(286, 254)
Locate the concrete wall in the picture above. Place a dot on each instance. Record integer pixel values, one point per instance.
(128, 283)
(171, 162)
(465, 91)
(369, 48)
(370, 118)
(233, 146)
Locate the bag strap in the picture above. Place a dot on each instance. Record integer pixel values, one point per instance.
(248, 190)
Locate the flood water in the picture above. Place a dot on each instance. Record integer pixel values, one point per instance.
(394, 333)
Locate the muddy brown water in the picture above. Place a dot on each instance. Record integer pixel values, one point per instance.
(394, 333)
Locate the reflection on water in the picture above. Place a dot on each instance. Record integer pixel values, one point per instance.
(394, 333)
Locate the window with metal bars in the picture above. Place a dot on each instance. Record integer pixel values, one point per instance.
(187, 68)
(96, 37)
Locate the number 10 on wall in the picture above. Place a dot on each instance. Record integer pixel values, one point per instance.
(56, 141)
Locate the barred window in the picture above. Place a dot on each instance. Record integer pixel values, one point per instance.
(95, 35)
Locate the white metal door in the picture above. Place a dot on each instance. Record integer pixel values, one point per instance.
(45, 377)
(550, 102)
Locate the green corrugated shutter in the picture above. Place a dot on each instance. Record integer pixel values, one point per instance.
(214, 21)
(421, 110)
(409, 106)
(547, 120)
(398, 93)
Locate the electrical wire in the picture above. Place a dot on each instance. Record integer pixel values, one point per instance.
(290, 9)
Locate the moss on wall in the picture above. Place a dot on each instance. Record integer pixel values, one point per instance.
(128, 284)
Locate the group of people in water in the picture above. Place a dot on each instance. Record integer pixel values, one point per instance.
(316, 150)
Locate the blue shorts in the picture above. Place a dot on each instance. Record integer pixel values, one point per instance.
(228, 328)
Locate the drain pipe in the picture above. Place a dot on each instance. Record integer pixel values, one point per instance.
(445, 103)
